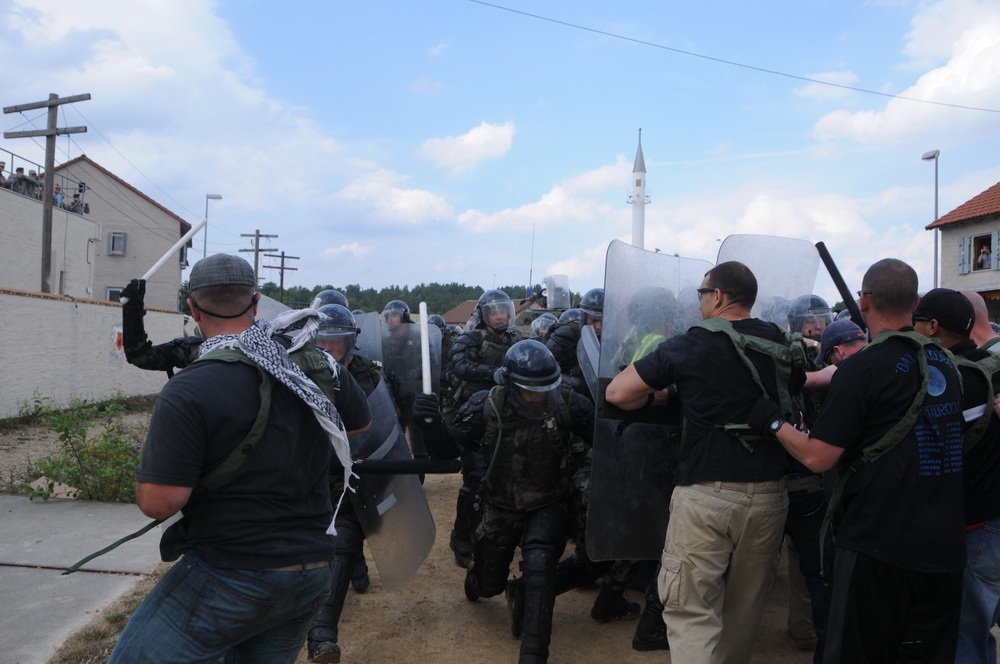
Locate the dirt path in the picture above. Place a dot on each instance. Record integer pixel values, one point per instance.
(430, 620)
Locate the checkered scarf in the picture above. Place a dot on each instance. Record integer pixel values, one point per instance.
(255, 342)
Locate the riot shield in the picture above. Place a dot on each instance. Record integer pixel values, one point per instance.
(269, 308)
(401, 357)
(392, 509)
(648, 297)
(557, 293)
(370, 339)
(785, 269)
(588, 356)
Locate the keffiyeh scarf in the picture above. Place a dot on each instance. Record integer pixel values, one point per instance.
(255, 342)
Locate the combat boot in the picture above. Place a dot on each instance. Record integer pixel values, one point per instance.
(359, 575)
(322, 639)
(462, 549)
(651, 632)
(612, 604)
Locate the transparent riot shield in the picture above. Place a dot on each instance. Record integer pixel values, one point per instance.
(269, 308)
(785, 269)
(401, 358)
(392, 509)
(370, 339)
(557, 293)
(648, 297)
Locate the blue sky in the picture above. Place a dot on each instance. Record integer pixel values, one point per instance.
(406, 142)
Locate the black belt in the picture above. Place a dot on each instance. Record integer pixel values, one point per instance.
(301, 567)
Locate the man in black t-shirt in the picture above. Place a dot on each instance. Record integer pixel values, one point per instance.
(950, 316)
(727, 512)
(900, 551)
(256, 549)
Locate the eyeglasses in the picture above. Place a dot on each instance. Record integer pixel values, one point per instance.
(863, 292)
(702, 291)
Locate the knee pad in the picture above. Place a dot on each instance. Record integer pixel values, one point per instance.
(491, 566)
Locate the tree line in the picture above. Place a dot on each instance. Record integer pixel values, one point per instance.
(440, 298)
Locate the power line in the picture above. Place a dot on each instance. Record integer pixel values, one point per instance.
(731, 63)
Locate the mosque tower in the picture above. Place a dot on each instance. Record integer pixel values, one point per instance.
(638, 199)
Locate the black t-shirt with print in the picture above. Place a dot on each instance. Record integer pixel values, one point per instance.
(904, 508)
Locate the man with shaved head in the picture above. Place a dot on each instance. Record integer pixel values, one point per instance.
(982, 333)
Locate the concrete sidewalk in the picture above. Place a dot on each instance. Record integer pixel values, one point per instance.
(38, 540)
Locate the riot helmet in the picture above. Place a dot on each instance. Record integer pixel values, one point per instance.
(437, 319)
(844, 313)
(809, 314)
(358, 312)
(592, 303)
(592, 306)
(571, 314)
(495, 311)
(396, 313)
(329, 296)
(338, 332)
(532, 375)
(540, 326)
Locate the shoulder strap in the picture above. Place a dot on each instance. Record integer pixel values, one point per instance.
(893, 436)
(230, 466)
(987, 367)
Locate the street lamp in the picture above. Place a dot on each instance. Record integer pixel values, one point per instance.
(933, 156)
(204, 238)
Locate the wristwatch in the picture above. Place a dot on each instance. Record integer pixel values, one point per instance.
(775, 425)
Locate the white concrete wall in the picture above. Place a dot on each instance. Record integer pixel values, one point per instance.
(21, 238)
(63, 349)
(977, 280)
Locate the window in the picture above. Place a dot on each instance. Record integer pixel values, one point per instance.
(112, 294)
(975, 252)
(183, 257)
(116, 243)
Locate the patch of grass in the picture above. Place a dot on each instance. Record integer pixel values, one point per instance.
(93, 643)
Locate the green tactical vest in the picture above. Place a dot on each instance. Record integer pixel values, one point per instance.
(506, 441)
(785, 355)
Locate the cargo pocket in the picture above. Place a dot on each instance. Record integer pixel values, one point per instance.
(668, 581)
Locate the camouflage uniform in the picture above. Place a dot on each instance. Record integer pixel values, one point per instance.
(526, 498)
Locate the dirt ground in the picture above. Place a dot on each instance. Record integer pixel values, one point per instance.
(430, 620)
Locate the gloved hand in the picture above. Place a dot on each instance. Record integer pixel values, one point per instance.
(133, 331)
(135, 293)
(763, 413)
(426, 413)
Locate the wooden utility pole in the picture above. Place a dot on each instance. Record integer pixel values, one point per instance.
(281, 272)
(50, 133)
(256, 251)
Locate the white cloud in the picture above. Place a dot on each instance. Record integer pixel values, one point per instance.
(971, 77)
(438, 49)
(587, 266)
(463, 153)
(383, 199)
(820, 91)
(354, 249)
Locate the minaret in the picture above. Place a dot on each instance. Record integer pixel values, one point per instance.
(638, 198)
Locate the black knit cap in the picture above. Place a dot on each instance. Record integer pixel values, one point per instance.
(949, 308)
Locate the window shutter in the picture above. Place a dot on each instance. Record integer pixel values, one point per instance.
(964, 254)
(994, 239)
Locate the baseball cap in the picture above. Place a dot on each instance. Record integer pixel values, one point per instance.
(836, 333)
(949, 308)
(221, 270)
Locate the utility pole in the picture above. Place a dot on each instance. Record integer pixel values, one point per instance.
(50, 133)
(256, 251)
(281, 272)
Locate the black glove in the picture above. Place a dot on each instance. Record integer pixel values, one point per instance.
(426, 413)
(133, 331)
(764, 412)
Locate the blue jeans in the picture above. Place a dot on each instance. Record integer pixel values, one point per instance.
(198, 613)
(980, 595)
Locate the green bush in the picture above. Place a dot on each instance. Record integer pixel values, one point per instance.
(99, 467)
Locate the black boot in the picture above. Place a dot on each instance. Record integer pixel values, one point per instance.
(322, 640)
(651, 632)
(359, 575)
(612, 604)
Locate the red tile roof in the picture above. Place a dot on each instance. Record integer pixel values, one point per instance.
(983, 205)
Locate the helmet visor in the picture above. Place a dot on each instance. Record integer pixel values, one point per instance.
(498, 315)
